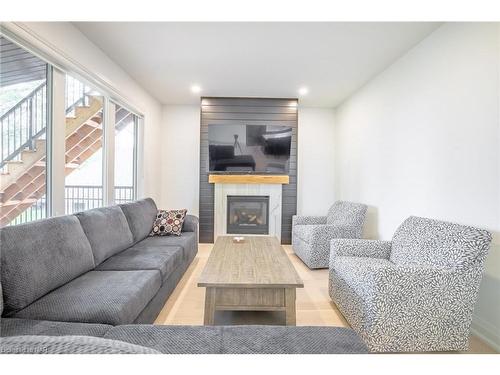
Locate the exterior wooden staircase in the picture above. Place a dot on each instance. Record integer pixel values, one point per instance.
(22, 180)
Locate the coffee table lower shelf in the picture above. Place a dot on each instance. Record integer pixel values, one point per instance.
(250, 299)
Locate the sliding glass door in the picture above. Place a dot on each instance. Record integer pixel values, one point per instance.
(126, 128)
(84, 147)
(64, 146)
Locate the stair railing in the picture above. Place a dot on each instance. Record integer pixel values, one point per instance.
(26, 122)
(77, 94)
(21, 125)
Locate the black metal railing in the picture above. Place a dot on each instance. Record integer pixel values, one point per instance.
(77, 198)
(21, 125)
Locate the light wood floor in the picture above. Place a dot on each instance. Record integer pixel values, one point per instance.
(314, 306)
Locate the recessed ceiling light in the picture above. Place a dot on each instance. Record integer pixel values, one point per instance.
(195, 89)
(303, 91)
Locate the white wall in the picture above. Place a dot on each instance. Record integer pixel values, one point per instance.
(315, 180)
(180, 144)
(422, 138)
(61, 40)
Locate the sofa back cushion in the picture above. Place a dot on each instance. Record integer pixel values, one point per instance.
(107, 230)
(40, 256)
(427, 242)
(140, 215)
(347, 214)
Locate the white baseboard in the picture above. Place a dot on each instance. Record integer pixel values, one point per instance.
(486, 332)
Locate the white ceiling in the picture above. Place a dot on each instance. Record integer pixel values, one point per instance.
(254, 59)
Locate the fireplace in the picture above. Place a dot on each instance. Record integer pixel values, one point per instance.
(247, 214)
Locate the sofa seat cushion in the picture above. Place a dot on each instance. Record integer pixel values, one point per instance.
(240, 339)
(357, 272)
(170, 339)
(187, 240)
(107, 230)
(39, 257)
(162, 258)
(303, 232)
(107, 297)
(28, 327)
(290, 340)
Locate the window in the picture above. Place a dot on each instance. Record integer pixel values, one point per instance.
(24, 128)
(84, 153)
(34, 166)
(126, 124)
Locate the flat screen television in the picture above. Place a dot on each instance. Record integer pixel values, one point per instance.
(259, 149)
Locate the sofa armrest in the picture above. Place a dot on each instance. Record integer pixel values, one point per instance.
(308, 220)
(190, 224)
(360, 248)
(69, 345)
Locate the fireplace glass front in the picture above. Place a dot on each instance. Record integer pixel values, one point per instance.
(247, 214)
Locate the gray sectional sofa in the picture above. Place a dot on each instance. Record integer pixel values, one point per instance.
(87, 283)
(99, 266)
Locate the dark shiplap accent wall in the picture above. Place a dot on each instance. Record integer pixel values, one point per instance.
(246, 111)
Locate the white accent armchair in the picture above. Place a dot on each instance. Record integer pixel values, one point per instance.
(414, 293)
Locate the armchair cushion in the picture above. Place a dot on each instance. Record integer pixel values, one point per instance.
(350, 214)
(359, 273)
(427, 242)
(308, 220)
(324, 233)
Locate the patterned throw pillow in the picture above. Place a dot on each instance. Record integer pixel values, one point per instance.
(168, 222)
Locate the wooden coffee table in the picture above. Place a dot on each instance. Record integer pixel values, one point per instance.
(255, 275)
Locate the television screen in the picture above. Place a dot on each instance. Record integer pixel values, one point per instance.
(249, 148)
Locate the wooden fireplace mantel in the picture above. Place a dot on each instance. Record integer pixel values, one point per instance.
(248, 179)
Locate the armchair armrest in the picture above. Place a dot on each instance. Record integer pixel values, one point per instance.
(411, 302)
(190, 224)
(360, 248)
(308, 220)
(322, 234)
(416, 283)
